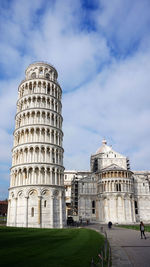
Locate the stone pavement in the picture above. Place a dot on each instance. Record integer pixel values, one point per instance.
(128, 249)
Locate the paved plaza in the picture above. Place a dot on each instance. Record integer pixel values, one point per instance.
(128, 249)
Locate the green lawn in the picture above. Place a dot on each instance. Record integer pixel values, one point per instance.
(48, 247)
(135, 227)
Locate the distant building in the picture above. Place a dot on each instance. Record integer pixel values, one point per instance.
(69, 176)
(111, 191)
(3, 208)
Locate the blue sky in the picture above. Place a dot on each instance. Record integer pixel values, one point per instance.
(101, 50)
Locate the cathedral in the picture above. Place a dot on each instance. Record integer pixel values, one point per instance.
(42, 194)
(110, 191)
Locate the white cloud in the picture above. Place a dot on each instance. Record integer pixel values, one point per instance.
(115, 105)
(124, 23)
(76, 53)
(106, 96)
(5, 145)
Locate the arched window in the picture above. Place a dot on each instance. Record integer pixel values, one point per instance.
(118, 187)
(93, 207)
(93, 204)
(47, 76)
(25, 174)
(136, 207)
(32, 212)
(95, 165)
(33, 75)
(40, 71)
(48, 88)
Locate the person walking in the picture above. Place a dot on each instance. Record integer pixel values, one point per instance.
(109, 225)
(142, 229)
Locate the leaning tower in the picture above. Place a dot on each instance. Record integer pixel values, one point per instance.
(36, 193)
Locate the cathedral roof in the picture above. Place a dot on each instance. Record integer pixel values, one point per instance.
(104, 148)
(87, 179)
(113, 167)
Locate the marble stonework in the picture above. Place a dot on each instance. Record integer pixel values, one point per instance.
(110, 191)
(36, 193)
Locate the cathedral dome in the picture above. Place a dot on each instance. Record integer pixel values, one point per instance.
(104, 148)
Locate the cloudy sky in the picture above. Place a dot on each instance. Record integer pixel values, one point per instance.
(101, 50)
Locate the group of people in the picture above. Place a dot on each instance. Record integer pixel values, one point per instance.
(142, 229)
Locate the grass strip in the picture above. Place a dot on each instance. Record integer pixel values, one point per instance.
(135, 227)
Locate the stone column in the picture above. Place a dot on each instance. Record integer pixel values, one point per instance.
(50, 178)
(52, 211)
(19, 183)
(46, 176)
(124, 211)
(116, 208)
(26, 211)
(108, 205)
(55, 177)
(46, 154)
(54, 133)
(46, 98)
(15, 217)
(130, 209)
(103, 208)
(97, 209)
(50, 155)
(39, 211)
(60, 211)
(113, 186)
(125, 186)
(133, 210)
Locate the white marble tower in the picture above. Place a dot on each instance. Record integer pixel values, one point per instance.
(36, 193)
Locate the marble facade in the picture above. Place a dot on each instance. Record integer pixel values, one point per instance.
(110, 191)
(36, 193)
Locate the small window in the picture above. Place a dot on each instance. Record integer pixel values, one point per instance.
(33, 75)
(118, 187)
(136, 207)
(95, 165)
(93, 204)
(65, 176)
(47, 76)
(143, 184)
(44, 203)
(93, 207)
(32, 212)
(93, 211)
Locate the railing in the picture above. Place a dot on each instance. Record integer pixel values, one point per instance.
(104, 256)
